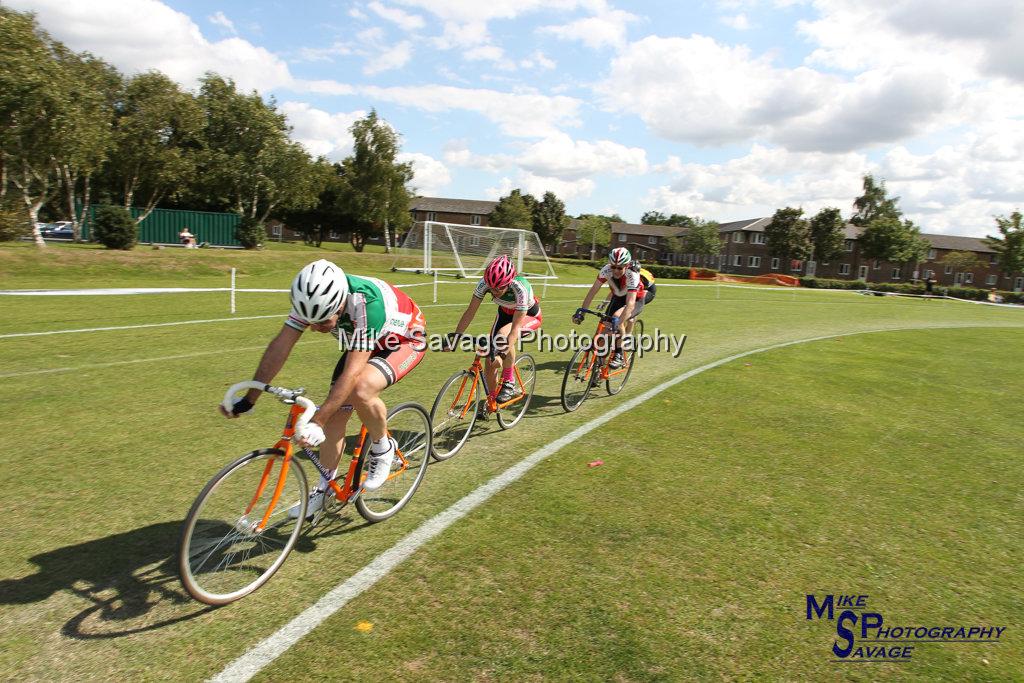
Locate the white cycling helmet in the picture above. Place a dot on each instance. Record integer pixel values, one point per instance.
(318, 291)
(619, 257)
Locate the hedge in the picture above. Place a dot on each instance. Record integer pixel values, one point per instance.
(657, 270)
(969, 293)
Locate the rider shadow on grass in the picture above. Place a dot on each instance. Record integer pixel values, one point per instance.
(131, 578)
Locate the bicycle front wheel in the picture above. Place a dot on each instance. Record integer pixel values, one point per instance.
(576, 382)
(409, 426)
(238, 533)
(617, 378)
(526, 369)
(453, 415)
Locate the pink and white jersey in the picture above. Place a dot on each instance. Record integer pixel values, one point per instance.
(629, 281)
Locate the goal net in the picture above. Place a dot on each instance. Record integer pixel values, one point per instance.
(464, 250)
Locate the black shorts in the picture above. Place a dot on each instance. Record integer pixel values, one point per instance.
(649, 296)
(618, 302)
(394, 361)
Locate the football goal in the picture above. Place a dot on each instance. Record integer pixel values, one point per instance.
(463, 250)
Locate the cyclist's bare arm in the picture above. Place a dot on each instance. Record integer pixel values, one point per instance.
(278, 350)
(627, 309)
(343, 386)
(467, 317)
(592, 293)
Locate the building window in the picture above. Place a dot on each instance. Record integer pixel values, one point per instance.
(622, 237)
(737, 237)
(474, 241)
(276, 230)
(991, 280)
(754, 261)
(796, 266)
(849, 245)
(844, 268)
(775, 263)
(824, 263)
(876, 264)
(642, 254)
(334, 235)
(969, 278)
(652, 240)
(737, 260)
(949, 270)
(895, 273)
(431, 216)
(929, 274)
(474, 220)
(993, 259)
(757, 238)
(931, 254)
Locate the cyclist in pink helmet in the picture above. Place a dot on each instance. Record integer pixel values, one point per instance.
(518, 311)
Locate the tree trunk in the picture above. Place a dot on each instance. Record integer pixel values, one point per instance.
(387, 237)
(358, 241)
(70, 180)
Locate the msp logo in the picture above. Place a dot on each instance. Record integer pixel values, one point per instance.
(864, 636)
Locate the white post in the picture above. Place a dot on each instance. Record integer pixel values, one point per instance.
(435, 286)
(545, 294)
(522, 248)
(232, 291)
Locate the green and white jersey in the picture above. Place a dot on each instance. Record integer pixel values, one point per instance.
(518, 297)
(373, 310)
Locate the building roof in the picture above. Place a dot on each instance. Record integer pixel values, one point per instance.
(443, 204)
(647, 230)
(957, 243)
(751, 224)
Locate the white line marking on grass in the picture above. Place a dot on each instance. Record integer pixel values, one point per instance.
(272, 647)
(93, 366)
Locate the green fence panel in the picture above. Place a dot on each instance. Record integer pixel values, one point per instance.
(162, 226)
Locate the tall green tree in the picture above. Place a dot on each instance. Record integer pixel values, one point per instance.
(788, 235)
(157, 139)
(702, 239)
(827, 234)
(874, 203)
(549, 219)
(515, 210)
(595, 230)
(93, 90)
(659, 218)
(963, 261)
(1009, 247)
(32, 126)
(890, 239)
(377, 195)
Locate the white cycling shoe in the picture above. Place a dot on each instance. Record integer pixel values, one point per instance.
(380, 466)
(315, 505)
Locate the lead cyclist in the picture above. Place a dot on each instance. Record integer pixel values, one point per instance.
(383, 332)
(627, 297)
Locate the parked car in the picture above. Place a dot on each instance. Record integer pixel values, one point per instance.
(60, 230)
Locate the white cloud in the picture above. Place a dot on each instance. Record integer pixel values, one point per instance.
(394, 57)
(457, 153)
(517, 114)
(738, 22)
(219, 19)
(404, 20)
(606, 28)
(141, 35)
(559, 156)
(538, 60)
(537, 186)
(320, 132)
(430, 175)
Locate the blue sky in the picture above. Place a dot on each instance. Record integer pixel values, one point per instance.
(726, 109)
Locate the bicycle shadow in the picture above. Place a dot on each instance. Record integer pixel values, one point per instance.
(131, 578)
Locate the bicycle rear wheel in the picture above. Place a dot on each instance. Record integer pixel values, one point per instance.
(576, 382)
(617, 381)
(409, 426)
(508, 417)
(453, 415)
(226, 552)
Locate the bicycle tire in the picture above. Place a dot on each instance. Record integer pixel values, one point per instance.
(507, 419)
(611, 385)
(576, 386)
(452, 432)
(233, 541)
(409, 425)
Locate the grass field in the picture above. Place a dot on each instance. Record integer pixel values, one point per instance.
(885, 464)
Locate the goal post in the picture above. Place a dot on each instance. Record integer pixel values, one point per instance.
(456, 250)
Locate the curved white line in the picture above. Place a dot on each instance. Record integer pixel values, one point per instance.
(272, 647)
